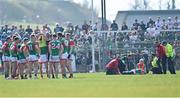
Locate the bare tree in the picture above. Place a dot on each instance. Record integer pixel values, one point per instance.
(168, 5)
(136, 5)
(160, 4)
(173, 4)
(145, 3)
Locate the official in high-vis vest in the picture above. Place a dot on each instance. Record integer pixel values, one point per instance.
(170, 54)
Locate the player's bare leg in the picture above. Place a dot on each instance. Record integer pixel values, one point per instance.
(56, 69)
(40, 68)
(13, 69)
(63, 70)
(51, 69)
(69, 68)
(35, 69)
(21, 70)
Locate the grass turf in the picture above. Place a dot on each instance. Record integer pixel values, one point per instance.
(94, 85)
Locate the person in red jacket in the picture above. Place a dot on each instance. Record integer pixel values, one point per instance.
(161, 54)
(112, 67)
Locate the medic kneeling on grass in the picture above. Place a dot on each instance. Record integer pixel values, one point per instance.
(115, 66)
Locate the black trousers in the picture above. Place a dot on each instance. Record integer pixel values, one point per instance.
(111, 71)
(162, 65)
(156, 70)
(171, 65)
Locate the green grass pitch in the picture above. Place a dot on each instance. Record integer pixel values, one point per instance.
(94, 85)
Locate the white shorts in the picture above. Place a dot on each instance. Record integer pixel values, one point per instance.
(21, 61)
(54, 59)
(43, 58)
(6, 58)
(64, 56)
(32, 58)
(13, 59)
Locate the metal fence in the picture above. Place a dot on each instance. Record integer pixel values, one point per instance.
(107, 44)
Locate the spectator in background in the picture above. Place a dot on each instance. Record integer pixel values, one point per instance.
(141, 33)
(12, 28)
(21, 30)
(164, 25)
(29, 30)
(143, 26)
(170, 23)
(124, 26)
(133, 37)
(15, 29)
(77, 31)
(136, 24)
(150, 22)
(85, 27)
(90, 25)
(104, 27)
(58, 28)
(2, 28)
(6, 29)
(37, 30)
(4, 36)
(95, 27)
(158, 23)
(151, 31)
(48, 28)
(114, 26)
(176, 23)
(45, 30)
(70, 28)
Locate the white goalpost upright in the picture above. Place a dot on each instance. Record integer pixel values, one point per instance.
(92, 36)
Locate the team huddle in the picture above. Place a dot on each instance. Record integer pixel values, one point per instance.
(23, 57)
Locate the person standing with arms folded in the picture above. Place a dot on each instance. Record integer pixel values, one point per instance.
(170, 54)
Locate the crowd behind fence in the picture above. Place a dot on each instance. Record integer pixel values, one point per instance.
(110, 43)
(131, 43)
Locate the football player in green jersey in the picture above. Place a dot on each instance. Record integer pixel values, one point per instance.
(66, 56)
(33, 58)
(55, 50)
(22, 61)
(14, 57)
(6, 57)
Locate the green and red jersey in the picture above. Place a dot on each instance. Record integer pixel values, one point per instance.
(55, 46)
(14, 49)
(32, 48)
(21, 54)
(67, 44)
(6, 49)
